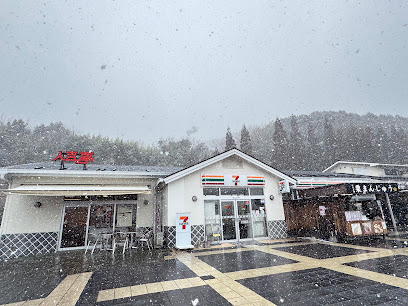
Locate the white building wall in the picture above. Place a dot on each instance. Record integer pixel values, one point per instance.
(145, 213)
(20, 215)
(181, 191)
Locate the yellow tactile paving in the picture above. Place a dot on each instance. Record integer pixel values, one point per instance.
(34, 302)
(106, 295)
(169, 285)
(138, 290)
(57, 294)
(123, 292)
(154, 287)
(183, 283)
(71, 297)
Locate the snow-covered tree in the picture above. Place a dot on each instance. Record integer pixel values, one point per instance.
(229, 140)
(246, 142)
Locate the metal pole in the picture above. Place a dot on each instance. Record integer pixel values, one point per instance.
(391, 212)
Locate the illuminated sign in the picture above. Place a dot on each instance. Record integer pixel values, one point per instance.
(73, 156)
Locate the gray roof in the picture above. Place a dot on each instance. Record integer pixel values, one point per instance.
(69, 166)
(296, 173)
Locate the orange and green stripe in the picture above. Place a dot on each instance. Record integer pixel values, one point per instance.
(256, 180)
(212, 180)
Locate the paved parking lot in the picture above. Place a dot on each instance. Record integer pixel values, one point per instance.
(279, 272)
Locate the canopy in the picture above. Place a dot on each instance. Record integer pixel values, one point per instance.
(77, 190)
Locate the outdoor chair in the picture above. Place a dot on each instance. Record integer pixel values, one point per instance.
(146, 238)
(103, 240)
(121, 238)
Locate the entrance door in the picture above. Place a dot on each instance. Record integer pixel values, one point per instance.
(228, 220)
(244, 219)
(236, 219)
(74, 227)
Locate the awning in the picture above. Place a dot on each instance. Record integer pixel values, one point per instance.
(76, 190)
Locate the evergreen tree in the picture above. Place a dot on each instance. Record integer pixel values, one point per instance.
(246, 143)
(229, 140)
(330, 143)
(280, 146)
(313, 149)
(395, 151)
(296, 146)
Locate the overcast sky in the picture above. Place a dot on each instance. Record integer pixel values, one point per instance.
(145, 70)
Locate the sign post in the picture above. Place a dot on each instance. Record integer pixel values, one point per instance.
(183, 231)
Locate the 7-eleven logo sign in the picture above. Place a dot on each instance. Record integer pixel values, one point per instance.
(183, 222)
(235, 179)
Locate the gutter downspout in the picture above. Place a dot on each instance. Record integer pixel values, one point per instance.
(158, 211)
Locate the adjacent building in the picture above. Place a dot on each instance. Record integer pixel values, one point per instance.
(229, 197)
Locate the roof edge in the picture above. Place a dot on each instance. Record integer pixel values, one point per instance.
(234, 151)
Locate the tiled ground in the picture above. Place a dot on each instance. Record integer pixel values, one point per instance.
(288, 272)
(321, 251)
(323, 287)
(388, 243)
(237, 261)
(135, 274)
(396, 265)
(205, 295)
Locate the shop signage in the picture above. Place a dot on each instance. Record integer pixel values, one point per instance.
(322, 210)
(183, 231)
(77, 157)
(283, 186)
(232, 180)
(365, 188)
(73, 156)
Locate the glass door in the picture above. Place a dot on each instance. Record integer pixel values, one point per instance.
(228, 220)
(212, 220)
(244, 223)
(101, 219)
(74, 227)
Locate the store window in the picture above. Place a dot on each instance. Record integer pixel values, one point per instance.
(258, 217)
(212, 220)
(256, 191)
(234, 191)
(211, 191)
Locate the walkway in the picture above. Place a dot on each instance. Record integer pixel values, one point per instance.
(279, 272)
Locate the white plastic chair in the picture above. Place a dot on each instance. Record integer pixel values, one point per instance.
(146, 238)
(121, 238)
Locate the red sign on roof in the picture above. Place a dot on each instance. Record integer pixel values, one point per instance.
(77, 157)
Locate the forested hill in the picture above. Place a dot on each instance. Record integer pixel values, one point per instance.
(306, 142)
(315, 141)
